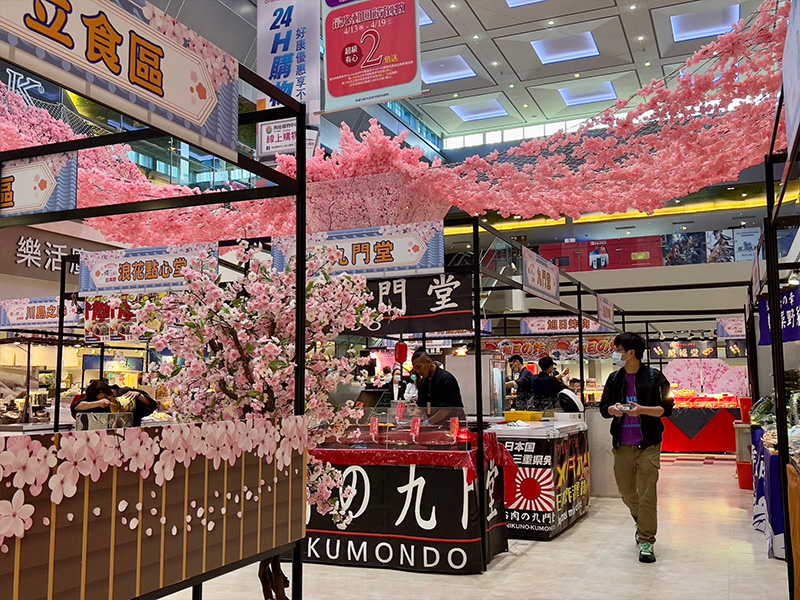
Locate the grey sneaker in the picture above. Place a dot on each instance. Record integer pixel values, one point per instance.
(646, 554)
(636, 533)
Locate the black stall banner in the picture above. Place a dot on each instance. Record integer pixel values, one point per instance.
(411, 517)
(550, 488)
(683, 349)
(430, 303)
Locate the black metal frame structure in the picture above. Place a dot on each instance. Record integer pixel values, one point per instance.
(284, 186)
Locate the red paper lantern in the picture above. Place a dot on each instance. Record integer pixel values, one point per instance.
(400, 352)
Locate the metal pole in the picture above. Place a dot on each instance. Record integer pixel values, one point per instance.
(424, 342)
(647, 341)
(102, 360)
(26, 418)
(580, 339)
(752, 347)
(774, 301)
(197, 591)
(476, 315)
(300, 315)
(623, 320)
(60, 349)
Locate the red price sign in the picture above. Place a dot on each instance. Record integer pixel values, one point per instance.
(416, 425)
(401, 411)
(373, 426)
(454, 426)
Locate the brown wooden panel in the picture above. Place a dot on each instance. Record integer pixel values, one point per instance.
(194, 539)
(172, 498)
(283, 500)
(267, 504)
(298, 502)
(234, 513)
(150, 544)
(34, 553)
(98, 558)
(250, 520)
(126, 549)
(69, 542)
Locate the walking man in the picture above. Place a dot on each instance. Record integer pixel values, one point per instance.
(637, 398)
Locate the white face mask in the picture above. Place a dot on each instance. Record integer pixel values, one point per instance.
(616, 358)
(397, 378)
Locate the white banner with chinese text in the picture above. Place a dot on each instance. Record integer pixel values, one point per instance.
(35, 313)
(540, 277)
(605, 311)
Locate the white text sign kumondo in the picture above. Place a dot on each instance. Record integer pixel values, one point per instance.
(540, 276)
(139, 269)
(39, 185)
(25, 313)
(605, 311)
(137, 60)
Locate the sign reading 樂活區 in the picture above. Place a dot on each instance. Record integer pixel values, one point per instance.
(605, 311)
(137, 60)
(37, 185)
(409, 249)
(683, 349)
(35, 313)
(371, 52)
(139, 269)
(540, 276)
(558, 325)
(731, 327)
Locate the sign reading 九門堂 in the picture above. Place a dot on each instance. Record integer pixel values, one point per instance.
(540, 276)
(39, 185)
(136, 59)
(371, 52)
(35, 313)
(139, 269)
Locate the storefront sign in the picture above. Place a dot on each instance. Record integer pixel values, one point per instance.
(605, 311)
(131, 59)
(683, 349)
(35, 313)
(540, 277)
(280, 137)
(371, 52)
(558, 325)
(110, 322)
(28, 85)
(549, 489)
(791, 76)
(736, 348)
(39, 185)
(433, 303)
(414, 517)
(731, 327)
(410, 249)
(139, 269)
(790, 317)
(595, 347)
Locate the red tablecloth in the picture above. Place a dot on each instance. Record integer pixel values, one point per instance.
(714, 433)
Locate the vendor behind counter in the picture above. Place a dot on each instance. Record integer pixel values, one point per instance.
(439, 395)
(101, 397)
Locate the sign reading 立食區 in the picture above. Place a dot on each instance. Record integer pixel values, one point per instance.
(136, 59)
(39, 185)
(540, 276)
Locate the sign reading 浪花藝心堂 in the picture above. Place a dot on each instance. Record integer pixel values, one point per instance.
(136, 59)
(372, 52)
(33, 313)
(605, 311)
(409, 249)
(139, 269)
(540, 277)
(39, 185)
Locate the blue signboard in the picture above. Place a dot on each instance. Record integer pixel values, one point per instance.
(790, 317)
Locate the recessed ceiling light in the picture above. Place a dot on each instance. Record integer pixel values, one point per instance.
(517, 217)
(476, 37)
(743, 195)
(647, 64)
(640, 38)
(551, 22)
(511, 85)
(577, 75)
(683, 227)
(744, 223)
(633, 7)
(494, 63)
(524, 106)
(677, 201)
(453, 5)
(627, 233)
(730, 188)
(469, 246)
(455, 95)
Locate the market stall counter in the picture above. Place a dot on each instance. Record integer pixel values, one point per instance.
(702, 424)
(547, 489)
(415, 504)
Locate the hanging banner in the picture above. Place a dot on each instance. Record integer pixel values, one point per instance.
(540, 276)
(558, 325)
(137, 60)
(595, 347)
(372, 52)
(605, 311)
(410, 249)
(36, 313)
(790, 317)
(731, 327)
(791, 76)
(683, 349)
(139, 269)
(438, 303)
(37, 185)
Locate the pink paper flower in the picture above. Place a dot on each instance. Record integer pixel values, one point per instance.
(15, 516)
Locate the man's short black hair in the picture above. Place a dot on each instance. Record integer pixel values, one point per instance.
(515, 357)
(631, 341)
(419, 353)
(387, 369)
(545, 363)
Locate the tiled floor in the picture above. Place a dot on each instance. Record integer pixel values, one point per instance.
(706, 549)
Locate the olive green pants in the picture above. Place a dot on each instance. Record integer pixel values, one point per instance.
(636, 472)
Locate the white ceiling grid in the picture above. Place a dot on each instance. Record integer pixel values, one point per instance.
(524, 62)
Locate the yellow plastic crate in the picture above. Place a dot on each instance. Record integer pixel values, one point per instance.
(523, 415)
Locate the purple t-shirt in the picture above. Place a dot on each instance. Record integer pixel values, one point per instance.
(631, 434)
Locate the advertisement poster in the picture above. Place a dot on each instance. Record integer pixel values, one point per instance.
(105, 322)
(36, 313)
(605, 311)
(790, 317)
(719, 246)
(558, 325)
(372, 52)
(669, 350)
(683, 248)
(37, 185)
(139, 269)
(540, 277)
(640, 252)
(595, 347)
(731, 327)
(599, 255)
(132, 60)
(746, 243)
(414, 517)
(376, 252)
(549, 489)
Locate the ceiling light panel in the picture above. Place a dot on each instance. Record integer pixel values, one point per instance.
(564, 48)
(588, 93)
(450, 68)
(477, 111)
(424, 19)
(516, 3)
(708, 23)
